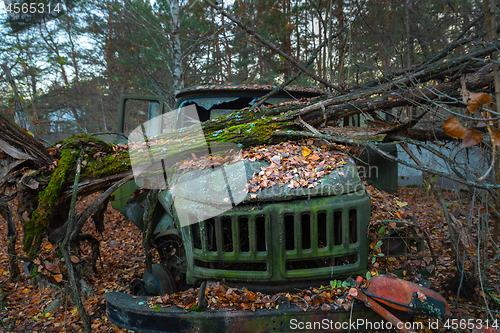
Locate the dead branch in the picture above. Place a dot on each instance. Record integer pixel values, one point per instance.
(64, 246)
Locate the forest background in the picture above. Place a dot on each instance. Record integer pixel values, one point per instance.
(72, 68)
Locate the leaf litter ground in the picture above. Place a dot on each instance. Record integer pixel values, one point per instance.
(45, 307)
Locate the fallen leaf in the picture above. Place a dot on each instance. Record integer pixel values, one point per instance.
(74, 259)
(305, 151)
(454, 128)
(471, 138)
(276, 159)
(421, 297)
(471, 250)
(32, 184)
(496, 137)
(476, 100)
(50, 266)
(57, 277)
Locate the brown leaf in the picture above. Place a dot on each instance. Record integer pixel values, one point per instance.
(454, 128)
(74, 259)
(476, 100)
(314, 157)
(57, 277)
(50, 266)
(471, 250)
(496, 137)
(325, 307)
(421, 297)
(472, 137)
(32, 184)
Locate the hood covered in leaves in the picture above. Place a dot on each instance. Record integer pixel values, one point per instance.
(343, 178)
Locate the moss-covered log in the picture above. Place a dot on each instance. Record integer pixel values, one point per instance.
(35, 227)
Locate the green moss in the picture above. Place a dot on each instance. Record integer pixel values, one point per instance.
(36, 225)
(107, 165)
(79, 140)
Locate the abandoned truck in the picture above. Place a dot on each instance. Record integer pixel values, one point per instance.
(275, 239)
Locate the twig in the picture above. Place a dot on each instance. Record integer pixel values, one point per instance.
(95, 205)
(437, 192)
(476, 307)
(284, 84)
(115, 133)
(367, 144)
(65, 250)
(493, 150)
(21, 114)
(481, 276)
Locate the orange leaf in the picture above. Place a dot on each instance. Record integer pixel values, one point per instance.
(305, 151)
(57, 277)
(454, 128)
(2, 155)
(496, 136)
(472, 137)
(476, 100)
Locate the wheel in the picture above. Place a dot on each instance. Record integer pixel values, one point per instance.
(160, 281)
(401, 241)
(138, 288)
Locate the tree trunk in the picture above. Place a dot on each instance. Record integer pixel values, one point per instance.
(176, 46)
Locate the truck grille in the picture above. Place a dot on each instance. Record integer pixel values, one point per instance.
(319, 238)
